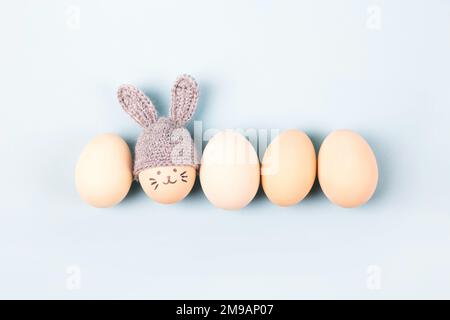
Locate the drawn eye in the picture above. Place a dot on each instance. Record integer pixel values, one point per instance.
(158, 173)
(174, 170)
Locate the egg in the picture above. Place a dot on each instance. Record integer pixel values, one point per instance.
(230, 171)
(288, 168)
(103, 173)
(168, 185)
(347, 169)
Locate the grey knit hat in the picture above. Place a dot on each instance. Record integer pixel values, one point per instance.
(164, 141)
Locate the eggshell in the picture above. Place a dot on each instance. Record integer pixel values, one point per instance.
(288, 169)
(168, 185)
(103, 174)
(348, 171)
(230, 171)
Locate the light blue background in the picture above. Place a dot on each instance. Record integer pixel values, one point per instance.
(312, 65)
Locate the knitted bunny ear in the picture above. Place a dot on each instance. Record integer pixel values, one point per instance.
(184, 99)
(137, 105)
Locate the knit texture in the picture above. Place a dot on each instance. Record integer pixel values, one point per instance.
(164, 141)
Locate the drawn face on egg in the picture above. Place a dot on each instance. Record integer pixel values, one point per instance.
(168, 185)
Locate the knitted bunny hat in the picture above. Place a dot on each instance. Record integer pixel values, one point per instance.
(164, 141)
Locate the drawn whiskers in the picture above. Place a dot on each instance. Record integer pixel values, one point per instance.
(183, 176)
(154, 183)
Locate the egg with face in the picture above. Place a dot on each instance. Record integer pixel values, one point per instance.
(165, 154)
(168, 185)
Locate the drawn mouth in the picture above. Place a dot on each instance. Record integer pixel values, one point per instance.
(169, 181)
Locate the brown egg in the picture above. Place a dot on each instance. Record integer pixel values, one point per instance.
(103, 174)
(168, 185)
(288, 168)
(347, 169)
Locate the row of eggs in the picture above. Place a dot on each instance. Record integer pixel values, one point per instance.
(231, 173)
